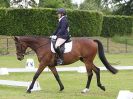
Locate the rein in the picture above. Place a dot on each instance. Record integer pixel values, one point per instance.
(36, 48)
(26, 53)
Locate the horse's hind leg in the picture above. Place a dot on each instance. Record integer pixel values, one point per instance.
(97, 71)
(54, 71)
(90, 74)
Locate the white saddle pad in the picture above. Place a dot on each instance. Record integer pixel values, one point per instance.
(68, 47)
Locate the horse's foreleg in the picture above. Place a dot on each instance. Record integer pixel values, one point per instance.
(38, 72)
(54, 71)
(90, 74)
(97, 71)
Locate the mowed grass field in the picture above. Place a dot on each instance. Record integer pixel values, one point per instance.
(74, 82)
(125, 59)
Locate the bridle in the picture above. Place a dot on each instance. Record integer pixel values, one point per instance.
(22, 52)
(36, 48)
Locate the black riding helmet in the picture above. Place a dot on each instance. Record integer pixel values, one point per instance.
(61, 11)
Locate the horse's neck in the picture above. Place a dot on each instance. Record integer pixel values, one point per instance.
(37, 42)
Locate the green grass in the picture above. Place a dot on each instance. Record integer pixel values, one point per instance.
(74, 82)
(114, 59)
(123, 39)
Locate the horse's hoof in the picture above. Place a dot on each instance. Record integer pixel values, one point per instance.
(103, 88)
(85, 90)
(28, 91)
(61, 89)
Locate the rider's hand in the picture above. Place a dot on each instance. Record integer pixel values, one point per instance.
(53, 37)
(50, 37)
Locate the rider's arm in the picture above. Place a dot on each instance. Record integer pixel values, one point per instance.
(55, 32)
(63, 28)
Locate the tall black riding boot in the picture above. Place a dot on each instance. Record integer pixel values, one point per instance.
(60, 56)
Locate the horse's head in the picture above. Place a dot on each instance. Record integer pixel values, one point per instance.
(20, 48)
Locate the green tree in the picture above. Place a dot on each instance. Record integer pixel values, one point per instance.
(50, 3)
(67, 4)
(4, 3)
(56, 3)
(91, 5)
(125, 8)
(120, 7)
(45, 3)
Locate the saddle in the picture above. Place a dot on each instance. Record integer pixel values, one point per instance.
(65, 47)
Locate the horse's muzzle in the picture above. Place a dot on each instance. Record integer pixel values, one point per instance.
(20, 58)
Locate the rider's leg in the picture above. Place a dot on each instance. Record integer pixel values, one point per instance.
(59, 42)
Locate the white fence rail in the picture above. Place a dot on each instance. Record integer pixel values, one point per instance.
(78, 69)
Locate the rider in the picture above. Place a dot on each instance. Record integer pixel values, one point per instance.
(62, 33)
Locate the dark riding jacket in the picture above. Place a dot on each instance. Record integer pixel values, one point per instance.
(62, 30)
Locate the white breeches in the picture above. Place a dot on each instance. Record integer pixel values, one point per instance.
(59, 42)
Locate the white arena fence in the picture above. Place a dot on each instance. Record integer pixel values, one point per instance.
(20, 84)
(122, 94)
(80, 69)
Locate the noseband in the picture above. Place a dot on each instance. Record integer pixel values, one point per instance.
(20, 51)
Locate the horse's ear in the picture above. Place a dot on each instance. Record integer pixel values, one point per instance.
(15, 38)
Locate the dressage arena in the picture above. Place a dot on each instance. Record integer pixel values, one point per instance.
(73, 77)
(99, 39)
(74, 80)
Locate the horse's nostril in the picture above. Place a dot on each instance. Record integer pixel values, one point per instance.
(20, 58)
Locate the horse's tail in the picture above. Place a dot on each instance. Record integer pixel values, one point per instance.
(103, 58)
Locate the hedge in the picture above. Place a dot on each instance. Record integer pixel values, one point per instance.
(117, 25)
(43, 22)
(85, 23)
(26, 21)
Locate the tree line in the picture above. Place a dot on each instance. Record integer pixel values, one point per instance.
(115, 7)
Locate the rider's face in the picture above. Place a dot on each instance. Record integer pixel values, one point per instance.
(59, 15)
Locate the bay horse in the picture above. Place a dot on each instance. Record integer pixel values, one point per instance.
(83, 49)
